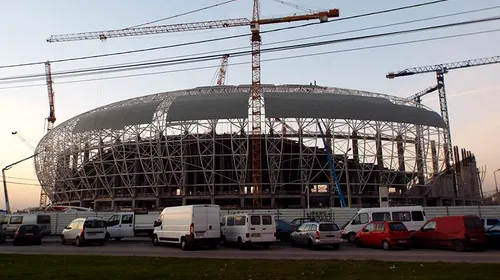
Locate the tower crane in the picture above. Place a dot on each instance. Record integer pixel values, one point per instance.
(221, 80)
(441, 70)
(256, 99)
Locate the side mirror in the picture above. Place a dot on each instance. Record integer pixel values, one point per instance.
(67, 227)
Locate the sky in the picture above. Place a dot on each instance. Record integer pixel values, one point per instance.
(472, 93)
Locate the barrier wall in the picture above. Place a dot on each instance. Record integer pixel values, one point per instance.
(339, 215)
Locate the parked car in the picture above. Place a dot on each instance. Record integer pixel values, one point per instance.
(384, 234)
(28, 234)
(188, 226)
(300, 221)
(316, 234)
(412, 216)
(493, 236)
(247, 229)
(85, 230)
(283, 230)
(458, 232)
(489, 222)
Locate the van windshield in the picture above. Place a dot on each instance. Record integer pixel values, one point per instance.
(94, 224)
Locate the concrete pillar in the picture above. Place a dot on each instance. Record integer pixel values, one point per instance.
(184, 200)
(157, 202)
(212, 200)
(242, 202)
(273, 202)
(133, 204)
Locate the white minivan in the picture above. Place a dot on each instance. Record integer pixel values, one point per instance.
(189, 226)
(412, 216)
(247, 229)
(85, 230)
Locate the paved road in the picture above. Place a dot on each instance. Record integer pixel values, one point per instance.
(278, 251)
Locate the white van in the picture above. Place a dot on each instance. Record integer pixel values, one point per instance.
(412, 216)
(247, 229)
(85, 230)
(130, 224)
(11, 222)
(189, 226)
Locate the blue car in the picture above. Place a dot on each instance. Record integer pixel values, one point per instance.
(283, 230)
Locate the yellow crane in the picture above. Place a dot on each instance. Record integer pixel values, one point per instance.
(256, 99)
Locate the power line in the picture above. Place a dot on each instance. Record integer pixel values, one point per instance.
(319, 36)
(182, 14)
(221, 38)
(19, 178)
(268, 60)
(139, 66)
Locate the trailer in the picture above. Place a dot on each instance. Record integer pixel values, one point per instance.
(131, 224)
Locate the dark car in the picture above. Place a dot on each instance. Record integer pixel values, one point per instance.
(28, 234)
(493, 236)
(283, 230)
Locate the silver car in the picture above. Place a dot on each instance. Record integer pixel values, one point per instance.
(85, 230)
(316, 234)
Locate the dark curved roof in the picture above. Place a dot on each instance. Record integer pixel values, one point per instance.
(234, 105)
(300, 105)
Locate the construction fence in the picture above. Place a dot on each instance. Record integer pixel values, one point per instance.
(339, 215)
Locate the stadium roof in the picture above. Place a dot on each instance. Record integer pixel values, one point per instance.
(234, 105)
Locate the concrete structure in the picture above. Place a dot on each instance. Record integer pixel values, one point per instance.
(192, 146)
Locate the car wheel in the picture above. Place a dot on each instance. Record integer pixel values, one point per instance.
(101, 243)
(241, 245)
(184, 245)
(63, 240)
(358, 243)
(385, 245)
(108, 237)
(78, 242)
(351, 237)
(311, 244)
(458, 246)
(292, 240)
(155, 240)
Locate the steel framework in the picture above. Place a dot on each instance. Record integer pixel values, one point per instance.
(167, 162)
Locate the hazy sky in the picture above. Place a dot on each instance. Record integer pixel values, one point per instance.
(473, 100)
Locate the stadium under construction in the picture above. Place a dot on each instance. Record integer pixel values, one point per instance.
(193, 146)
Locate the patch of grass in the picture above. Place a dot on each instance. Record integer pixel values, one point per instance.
(45, 267)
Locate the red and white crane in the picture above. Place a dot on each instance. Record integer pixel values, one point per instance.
(256, 99)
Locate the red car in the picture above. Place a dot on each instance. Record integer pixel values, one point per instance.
(458, 232)
(384, 234)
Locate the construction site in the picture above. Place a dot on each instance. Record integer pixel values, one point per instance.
(257, 145)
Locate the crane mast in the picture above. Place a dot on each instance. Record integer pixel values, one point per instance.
(221, 80)
(256, 99)
(441, 70)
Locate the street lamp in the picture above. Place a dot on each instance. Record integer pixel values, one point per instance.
(348, 184)
(496, 185)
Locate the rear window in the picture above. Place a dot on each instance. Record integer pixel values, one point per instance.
(267, 220)
(43, 219)
(328, 227)
(29, 228)
(473, 223)
(94, 224)
(255, 220)
(397, 227)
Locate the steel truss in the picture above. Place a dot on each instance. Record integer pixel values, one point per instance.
(209, 159)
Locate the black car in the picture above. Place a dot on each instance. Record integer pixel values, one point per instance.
(283, 230)
(28, 234)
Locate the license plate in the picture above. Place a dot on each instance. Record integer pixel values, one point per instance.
(330, 236)
(402, 241)
(28, 234)
(473, 239)
(255, 234)
(91, 233)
